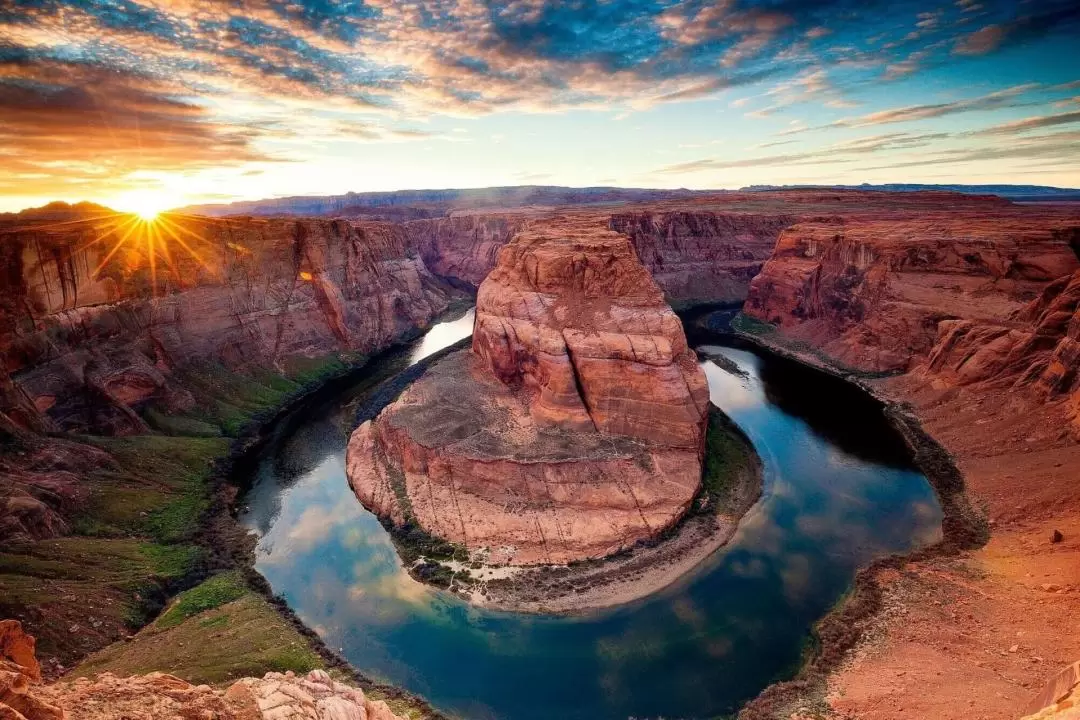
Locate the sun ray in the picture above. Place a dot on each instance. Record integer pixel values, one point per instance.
(134, 224)
(174, 271)
(168, 226)
(103, 232)
(151, 256)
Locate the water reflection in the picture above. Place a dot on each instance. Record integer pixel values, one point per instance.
(696, 649)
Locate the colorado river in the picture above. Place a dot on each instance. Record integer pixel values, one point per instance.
(839, 491)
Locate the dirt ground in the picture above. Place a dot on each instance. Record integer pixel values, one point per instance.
(977, 636)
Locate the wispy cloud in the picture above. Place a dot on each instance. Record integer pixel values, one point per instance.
(1032, 123)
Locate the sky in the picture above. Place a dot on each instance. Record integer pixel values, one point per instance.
(172, 102)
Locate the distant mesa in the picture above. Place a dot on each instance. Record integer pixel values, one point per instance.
(573, 428)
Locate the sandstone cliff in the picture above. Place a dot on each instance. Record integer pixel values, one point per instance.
(872, 293)
(702, 256)
(694, 255)
(575, 426)
(102, 316)
(97, 314)
(463, 248)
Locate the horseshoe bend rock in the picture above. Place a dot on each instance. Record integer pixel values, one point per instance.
(573, 428)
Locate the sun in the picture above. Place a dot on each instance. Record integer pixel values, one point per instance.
(147, 204)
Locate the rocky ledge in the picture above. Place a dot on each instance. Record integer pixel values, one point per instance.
(573, 428)
(276, 696)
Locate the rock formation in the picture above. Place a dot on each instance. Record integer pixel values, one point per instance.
(19, 674)
(463, 248)
(1059, 700)
(573, 428)
(158, 696)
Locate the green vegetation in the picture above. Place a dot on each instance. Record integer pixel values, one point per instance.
(727, 458)
(161, 490)
(216, 632)
(752, 326)
(213, 593)
(135, 537)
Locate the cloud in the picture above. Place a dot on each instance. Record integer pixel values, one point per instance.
(1006, 98)
(981, 42)
(1032, 123)
(115, 86)
(842, 152)
(1061, 147)
(85, 122)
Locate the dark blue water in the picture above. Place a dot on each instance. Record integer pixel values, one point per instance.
(838, 492)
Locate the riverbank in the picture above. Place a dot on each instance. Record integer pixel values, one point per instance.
(986, 606)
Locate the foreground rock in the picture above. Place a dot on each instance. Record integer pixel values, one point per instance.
(158, 696)
(574, 427)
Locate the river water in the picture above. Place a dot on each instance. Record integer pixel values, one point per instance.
(839, 491)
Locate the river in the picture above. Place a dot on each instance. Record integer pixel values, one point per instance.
(839, 491)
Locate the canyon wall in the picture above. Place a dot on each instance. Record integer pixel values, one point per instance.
(696, 256)
(572, 429)
(702, 256)
(873, 294)
(94, 319)
(463, 248)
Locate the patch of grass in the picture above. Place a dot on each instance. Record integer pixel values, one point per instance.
(162, 492)
(752, 326)
(242, 637)
(212, 593)
(726, 457)
(179, 424)
(106, 586)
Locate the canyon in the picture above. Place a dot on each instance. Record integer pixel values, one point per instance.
(961, 308)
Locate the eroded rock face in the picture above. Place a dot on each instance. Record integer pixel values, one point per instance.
(463, 248)
(575, 426)
(85, 339)
(19, 676)
(93, 332)
(702, 256)
(873, 293)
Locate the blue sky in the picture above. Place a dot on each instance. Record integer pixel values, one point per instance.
(204, 100)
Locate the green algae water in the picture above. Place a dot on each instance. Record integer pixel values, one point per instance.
(839, 491)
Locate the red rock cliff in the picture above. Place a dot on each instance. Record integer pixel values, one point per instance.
(873, 293)
(702, 256)
(96, 315)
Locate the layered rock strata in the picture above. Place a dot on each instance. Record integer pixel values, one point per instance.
(873, 293)
(573, 428)
(702, 256)
(101, 314)
(98, 313)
